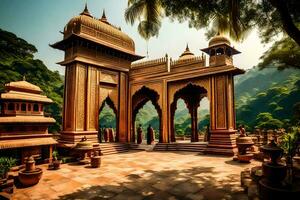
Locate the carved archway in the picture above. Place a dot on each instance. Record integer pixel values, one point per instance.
(139, 99)
(111, 104)
(191, 95)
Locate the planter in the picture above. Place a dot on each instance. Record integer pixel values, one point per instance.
(274, 173)
(95, 161)
(56, 164)
(245, 158)
(29, 178)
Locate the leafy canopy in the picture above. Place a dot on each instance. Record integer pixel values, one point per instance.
(234, 17)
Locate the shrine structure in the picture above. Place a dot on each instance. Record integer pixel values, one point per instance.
(23, 126)
(98, 69)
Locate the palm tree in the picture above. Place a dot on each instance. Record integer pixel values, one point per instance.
(148, 13)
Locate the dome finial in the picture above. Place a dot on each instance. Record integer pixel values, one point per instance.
(103, 14)
(187, 47)
(24, 78)
(86, 11)
(103, 18)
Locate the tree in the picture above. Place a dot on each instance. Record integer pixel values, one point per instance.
(283, 54)
(266, 120)
(235, 17)
(148, 12)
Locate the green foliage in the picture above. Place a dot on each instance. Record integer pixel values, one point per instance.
(289, 141)
(274, 102)
(55, 154)
(16, 61)
(107, 118)
(6, 164)
(236, 18)
(148, 13)
(266, 121)
(283, 54)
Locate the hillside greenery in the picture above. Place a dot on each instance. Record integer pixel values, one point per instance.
(17, 60)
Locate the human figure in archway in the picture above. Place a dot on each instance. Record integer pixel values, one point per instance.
(111, 135)
(150, 135)
(105, 134)
(139, 134)
(101, 133)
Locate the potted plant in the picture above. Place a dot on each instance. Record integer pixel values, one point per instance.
(5, 165)
(289, 143)
(55, 162)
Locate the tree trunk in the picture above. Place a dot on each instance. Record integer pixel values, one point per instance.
(286, 19)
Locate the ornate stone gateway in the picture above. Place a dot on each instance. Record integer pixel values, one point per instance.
(98, 65)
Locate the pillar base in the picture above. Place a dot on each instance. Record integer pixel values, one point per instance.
(222, 143)
(73, 137)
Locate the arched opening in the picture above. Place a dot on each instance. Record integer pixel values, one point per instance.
(191, 94)
(139, 99)
(182, 122)
(11, 106)
(23, 107)
(220, 51)
(204, 119)
(108, 123)
(147, 116)
(36, 107)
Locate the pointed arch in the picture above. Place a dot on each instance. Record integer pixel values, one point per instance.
(191, 95)
(139, 99)
(111, 105)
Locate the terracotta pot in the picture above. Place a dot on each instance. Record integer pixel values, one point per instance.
(245, 158)
(95, 161)
(30, 178)
(56, 164)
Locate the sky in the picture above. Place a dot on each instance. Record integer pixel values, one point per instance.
(39, 23)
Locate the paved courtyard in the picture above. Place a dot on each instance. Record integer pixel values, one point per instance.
(143, 175)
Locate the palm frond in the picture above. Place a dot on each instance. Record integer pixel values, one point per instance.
(150, 14)
(134, 11)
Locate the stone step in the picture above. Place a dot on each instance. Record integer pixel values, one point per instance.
(113, 148)
(193, 147)
(142, 147)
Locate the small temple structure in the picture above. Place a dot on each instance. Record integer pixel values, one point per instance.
(23, 126)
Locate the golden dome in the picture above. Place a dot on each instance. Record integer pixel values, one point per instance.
(23, 86)
(187, 54)
(100, 31)
(217, 40)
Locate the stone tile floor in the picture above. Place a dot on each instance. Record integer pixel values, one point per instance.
(143, 175)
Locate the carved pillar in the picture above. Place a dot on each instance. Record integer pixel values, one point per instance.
(164, 113)
(78, 119)
(222, 127)
(123, 109)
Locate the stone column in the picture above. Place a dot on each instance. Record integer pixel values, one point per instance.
(222, 117)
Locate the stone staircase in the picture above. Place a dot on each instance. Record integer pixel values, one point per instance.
(142, 147)
(113, 148)
(191, 147)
